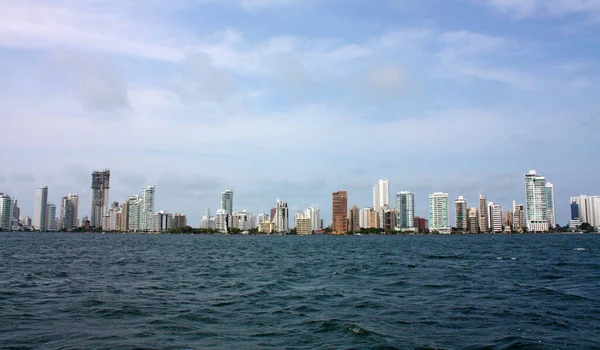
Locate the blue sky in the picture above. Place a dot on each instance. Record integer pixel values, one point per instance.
(296, 99)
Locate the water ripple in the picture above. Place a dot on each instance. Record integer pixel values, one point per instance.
(187, 292)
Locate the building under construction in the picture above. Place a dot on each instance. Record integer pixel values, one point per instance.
(100, 186)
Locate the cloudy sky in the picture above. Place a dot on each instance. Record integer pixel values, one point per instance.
(296, 99)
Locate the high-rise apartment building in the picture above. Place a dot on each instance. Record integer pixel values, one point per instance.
(508, 219)
(439, 213)
(303, 224)
(227, 201)
(518, 217)
(381, 195)
(51, 217)
(483, 214)
(390, 219)
(40, 210)
(354, 219)
(374, 220)
(282, 217)
(5, 212)
(134, 208)
(147, 208)
(536, 202)
(179, 220)
(551, 212)
(460, 206)
(421, 225)
(405, 207)
(15, 212)
(162, 221)
(124, 217)
(586, 209)
(315, 218)
(100, 188)
(340, 213)
(473, 226)
(495, 216)
(69, 212)
(363, 220)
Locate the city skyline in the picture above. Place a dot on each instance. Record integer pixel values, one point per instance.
(415, 89)
(539, 208)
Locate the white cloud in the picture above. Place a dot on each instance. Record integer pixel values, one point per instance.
(529, 8)
(476, 55)
(39, 25)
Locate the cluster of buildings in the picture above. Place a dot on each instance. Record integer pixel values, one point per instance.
(277, 221)
(585, 209)
(537, 215)
(137, 213)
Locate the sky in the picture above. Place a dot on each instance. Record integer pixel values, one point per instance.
(297, 99)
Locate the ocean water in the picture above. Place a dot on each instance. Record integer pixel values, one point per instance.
(94, 291)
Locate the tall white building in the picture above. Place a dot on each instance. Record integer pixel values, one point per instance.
(314, 215)
(147, 208)
(495, 217)
(221, 220)
(551, 211)
(484, 223)
(282, 217)
(51, 217)
(134, 211)
(227, 201)
(405, 207)
(439, 213)
(536, 202)
(363, 218)
(5, 212)
(40, 210)
(381, 195)
(208, 221)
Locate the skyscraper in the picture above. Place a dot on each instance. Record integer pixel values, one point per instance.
(363, 220)
(227, 201)
(439, 213)
(315, 218)
(124, 217)
(340, 213)
(5, 212)
(483, 214)
(586, 209)
(354, 219)
(536, 202)
(15, 212)
(551, 211)
(147, 208)
(473, 220)
(69, 215)
(495, 217)
(134, 206)
(40, 211)
(282, 217)
(100, 203)
(518, 219)
(460, 206)
(405, 207)
(51, 217)
(381, 195)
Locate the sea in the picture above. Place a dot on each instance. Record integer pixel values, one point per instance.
(143, 291)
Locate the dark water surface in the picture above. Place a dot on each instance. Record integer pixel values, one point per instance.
(92, 291)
